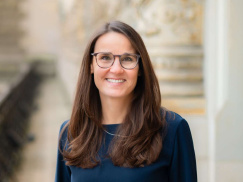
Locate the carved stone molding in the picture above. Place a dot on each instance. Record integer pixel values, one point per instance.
(172, 30)
(175, 22)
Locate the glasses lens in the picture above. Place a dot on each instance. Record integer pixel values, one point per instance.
(129, 61)
(105, 60)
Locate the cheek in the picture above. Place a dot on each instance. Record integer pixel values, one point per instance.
(92, 65)
(133, 80)
(96, 77)
(99, 76)
(91, 69)
(135, 75)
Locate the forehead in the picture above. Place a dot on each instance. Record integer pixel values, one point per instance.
(114, 42)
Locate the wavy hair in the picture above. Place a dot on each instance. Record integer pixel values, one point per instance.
(143, 125)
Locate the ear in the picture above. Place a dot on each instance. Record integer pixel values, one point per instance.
(91, 68)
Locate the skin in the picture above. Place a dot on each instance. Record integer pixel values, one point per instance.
(115, 96)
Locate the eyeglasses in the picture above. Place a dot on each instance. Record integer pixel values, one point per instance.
(106, 60)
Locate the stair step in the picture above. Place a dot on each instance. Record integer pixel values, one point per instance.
(181, 88)
(180, 75)
(173, 62)
(8, 31)
(14, 49)
(9, 42)
(176, 51)
(9, 3)
(12, 57)
(185, 105)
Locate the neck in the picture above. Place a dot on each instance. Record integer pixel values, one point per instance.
(114, 110)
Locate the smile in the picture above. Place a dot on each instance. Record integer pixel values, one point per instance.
(114, 81)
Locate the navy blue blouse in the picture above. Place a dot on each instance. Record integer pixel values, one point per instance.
(176, 162)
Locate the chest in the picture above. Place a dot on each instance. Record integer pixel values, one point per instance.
(107, 172)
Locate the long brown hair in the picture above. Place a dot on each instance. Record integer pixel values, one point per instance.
(143, 125)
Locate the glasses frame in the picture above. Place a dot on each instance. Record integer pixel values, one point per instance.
(117, 55)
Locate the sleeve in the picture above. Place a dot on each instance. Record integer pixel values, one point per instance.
(183, 164)
(63, 173)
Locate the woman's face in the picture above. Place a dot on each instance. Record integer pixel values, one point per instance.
(114, 82)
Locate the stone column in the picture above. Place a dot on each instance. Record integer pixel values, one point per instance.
(172, 31)
(224, 88)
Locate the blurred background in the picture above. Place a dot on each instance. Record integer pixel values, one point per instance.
(196, 50)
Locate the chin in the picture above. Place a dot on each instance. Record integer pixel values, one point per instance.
(116, 95)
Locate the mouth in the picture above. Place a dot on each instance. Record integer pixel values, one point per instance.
(115, 80)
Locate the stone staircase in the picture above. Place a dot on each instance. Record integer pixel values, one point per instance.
(16, 87)
(10, 31)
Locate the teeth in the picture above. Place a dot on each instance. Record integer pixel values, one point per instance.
(115, 81)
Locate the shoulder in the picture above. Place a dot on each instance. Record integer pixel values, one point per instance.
(64, 128)
(63, 133)
(176, 126)
(179, 149)
(64, 124)
(174, 120)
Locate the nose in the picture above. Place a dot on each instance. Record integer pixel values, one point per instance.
(116, 67)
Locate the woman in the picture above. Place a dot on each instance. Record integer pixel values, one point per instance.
(118, 130)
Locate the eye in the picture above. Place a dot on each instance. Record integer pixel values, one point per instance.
(105, 57)
(127, 58)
